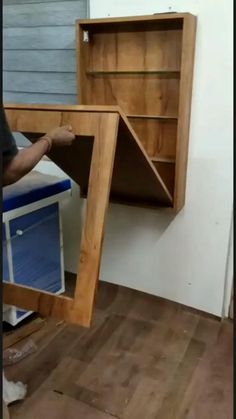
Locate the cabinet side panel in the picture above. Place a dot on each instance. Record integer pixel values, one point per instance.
(81, 64)
(187, 65)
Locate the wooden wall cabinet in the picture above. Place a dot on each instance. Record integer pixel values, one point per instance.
(145, 65)
(132, 130)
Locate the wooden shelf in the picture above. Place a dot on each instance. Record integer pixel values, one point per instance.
(162, 160)
(144, 65)
(133, 72)
(172, 117)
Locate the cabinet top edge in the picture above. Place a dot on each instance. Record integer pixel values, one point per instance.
(133, 19)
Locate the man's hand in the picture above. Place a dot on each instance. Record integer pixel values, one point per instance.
(61, 136)
(26, 159)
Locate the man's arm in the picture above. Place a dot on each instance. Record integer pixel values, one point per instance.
(25, 160)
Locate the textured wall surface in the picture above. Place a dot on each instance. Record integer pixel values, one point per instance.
(39, 50)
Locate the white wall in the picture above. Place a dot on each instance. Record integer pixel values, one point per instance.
(183, 258)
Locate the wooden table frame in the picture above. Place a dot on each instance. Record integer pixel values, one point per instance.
(101, 123)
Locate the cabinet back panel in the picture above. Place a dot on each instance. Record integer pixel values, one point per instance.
(167, 172)
(138, 47)
(157, 136)
(147, 95)
(135, 50)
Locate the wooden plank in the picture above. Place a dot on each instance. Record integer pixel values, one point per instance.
(162, 160)
(25, 331)
(10, 108)
(99, 185)
(166, 117)
(19, 97)
(187, 371)
(82, 53)
(148, 50)
(157, 136)
(60, 406)
(167, 172)
(62, 83)
(61, 107)
(188, 48)
(161, 72)
(61, 340)
(104, 139)
(208, 394)
(62, 60)
(44, 14)
(104, 128)
(47, 38)
(131, 353)
(45, 303)
(146, 98)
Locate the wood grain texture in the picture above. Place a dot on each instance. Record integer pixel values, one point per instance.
(45, 303)
(187, 67)
(83, 119)
(148, 50)
(144, 357)
(126, 154)
(150, 94)
(25, 331)
(144, 65)
(60, 107)
(99, 185)
(167, 172)
(79, 310)
(82, 52)
(104, 139)
(157, 136)
(132, 72)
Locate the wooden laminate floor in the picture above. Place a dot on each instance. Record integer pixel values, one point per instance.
(144, 358)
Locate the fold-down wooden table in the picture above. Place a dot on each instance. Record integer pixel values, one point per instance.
(108, 162)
